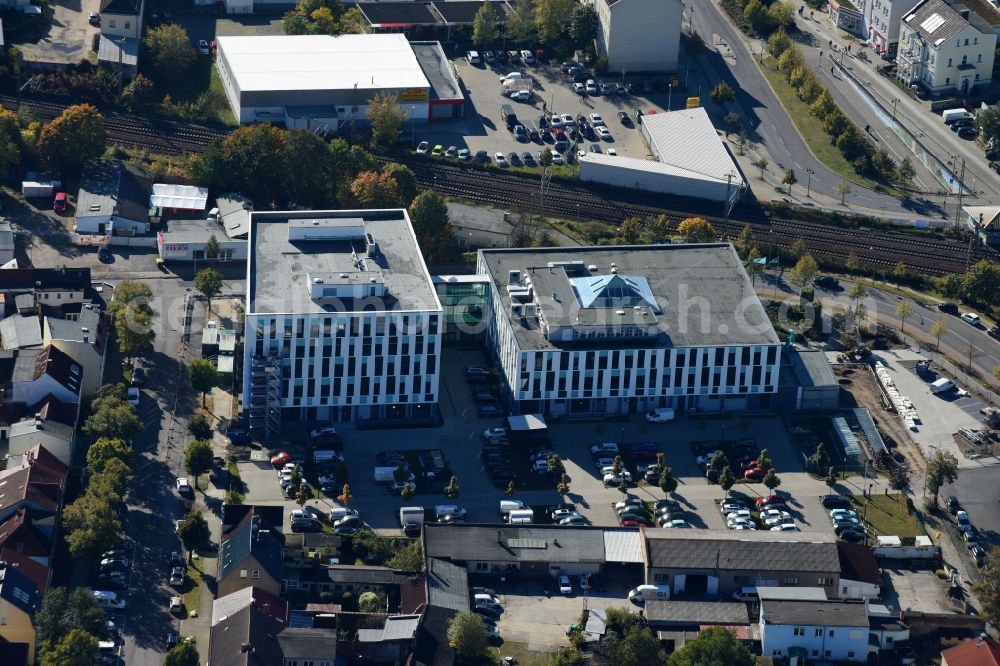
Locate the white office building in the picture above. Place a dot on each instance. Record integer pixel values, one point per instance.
(342, 322)
(946, 49)
(810, 631)
(640, 35)
(609, 330)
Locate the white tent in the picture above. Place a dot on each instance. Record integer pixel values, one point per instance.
(178, 197)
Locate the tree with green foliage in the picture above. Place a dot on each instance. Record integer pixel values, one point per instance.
(112, 481)
(938, 328)
(408, 558)
(722, 93)
(697, 230)
(714, 646)
(247, 160)
(203, 376)
(185, 653)
(719, 461)
(726, 479)
(637, 648)
(234, 497)
(193, 531)
(170, 49)
(778, 42)
(314, 17)
(899, 478)
(757, 17)
(62, 611)
(804, 271)
(584, 25)
(668, 481)
(198, 458)
(764, 462)
(452, 490)
(772, 480)
(406, 182)
(209, 282)
(75, 648)
(199, 427)
(468, 638)
(407, 492)
(551, 18)
(386, 118)
(103, 450)
(981, 283)
(941, 469)
(820, 459)
(113, 417)
(988, 123)
(211, 249)
(11, 141)
(563, 486)
(92, 524)
(520, 27)
(823, 107)
(429, 216)
(904, 311)
(484, 26)
(781, 14)
(133, 315)
(987, 590)
(905, 172)
(789, 179)
(371, 602)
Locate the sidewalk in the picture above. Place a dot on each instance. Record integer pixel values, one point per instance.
(912, 113)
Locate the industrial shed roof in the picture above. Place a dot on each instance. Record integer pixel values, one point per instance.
(623, 546)
(493, 543)
(262, 63)
(399, 14)
(697, 612)
(742, 551)
(687, 141)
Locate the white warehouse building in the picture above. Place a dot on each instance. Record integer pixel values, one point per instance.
(626, 329)
(691, 160)
(321, 81)
(343, 322)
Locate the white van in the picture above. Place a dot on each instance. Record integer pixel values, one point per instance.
(971, 318)
(506, 506)
(942, 385)
(473, 57)
(326, 455)
(521, 517)
(442, 510)
(661, 415)
(108, 600)
(645, 593)
(485, 600)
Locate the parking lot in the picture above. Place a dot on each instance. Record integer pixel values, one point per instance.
(460, 438)
(484, 127)
(63, 34)
(541, 622)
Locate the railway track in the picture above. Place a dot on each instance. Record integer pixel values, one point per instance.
(884, 249)
(169, 137)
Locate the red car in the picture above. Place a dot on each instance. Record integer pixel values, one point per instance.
(754, 474)
(59, 204)
(770, 499)
(281, 459)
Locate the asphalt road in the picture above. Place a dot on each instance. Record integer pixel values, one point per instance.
(881, 307)
(978, 491)
(767, 121)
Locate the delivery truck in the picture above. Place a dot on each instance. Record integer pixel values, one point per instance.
(954, 115)
(644, 593)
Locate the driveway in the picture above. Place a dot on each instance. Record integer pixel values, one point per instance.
(67, 36)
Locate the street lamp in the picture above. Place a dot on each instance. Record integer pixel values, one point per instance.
(809, 175)
(670, 94)
(894, 101)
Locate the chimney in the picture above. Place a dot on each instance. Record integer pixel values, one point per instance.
(964, 12)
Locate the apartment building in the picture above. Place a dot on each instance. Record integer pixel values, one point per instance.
(945, 49)
(343, 321)
(626, 329)
(640, 35)
(884, 17)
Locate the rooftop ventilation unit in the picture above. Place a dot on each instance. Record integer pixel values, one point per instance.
(592, 268)
(513, 277)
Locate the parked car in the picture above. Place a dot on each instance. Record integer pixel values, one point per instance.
(184, 487)
(948, 308)
(422, 147)
(836, 502)
(962, 519)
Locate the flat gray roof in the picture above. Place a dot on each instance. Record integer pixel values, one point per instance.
(279, 269)
(742, 550)
(437, 69)
(694, 295)
(814, 613)
(816, 367)
(195, 231)
(697, 612)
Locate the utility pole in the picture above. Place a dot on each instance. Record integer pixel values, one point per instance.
(961, 191)
(809, 175)
(729, 185)
(354, 111)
